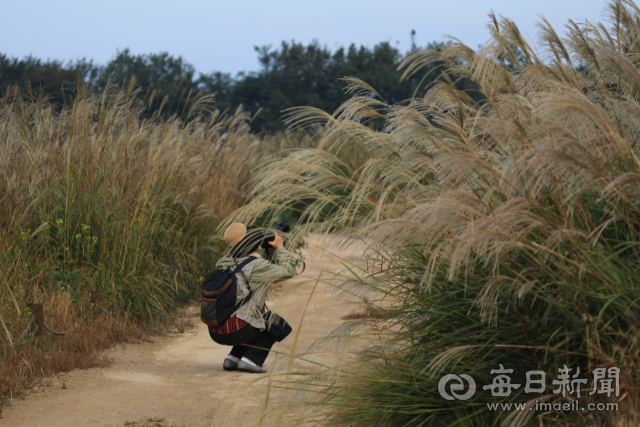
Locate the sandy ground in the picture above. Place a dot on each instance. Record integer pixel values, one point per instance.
(177, 380)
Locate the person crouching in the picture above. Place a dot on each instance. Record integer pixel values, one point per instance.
(245, 331)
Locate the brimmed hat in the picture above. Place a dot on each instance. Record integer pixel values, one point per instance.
(242, 240)
(235, 233)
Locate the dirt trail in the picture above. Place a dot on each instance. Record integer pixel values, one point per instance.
(178, 379)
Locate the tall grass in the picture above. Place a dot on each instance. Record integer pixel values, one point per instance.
(509, 227)
(101, 198)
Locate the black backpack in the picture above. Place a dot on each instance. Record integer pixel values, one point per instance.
(219, 290)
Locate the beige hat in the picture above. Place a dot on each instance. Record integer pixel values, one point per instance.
(234, 233)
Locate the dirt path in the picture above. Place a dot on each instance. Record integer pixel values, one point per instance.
(178, 379)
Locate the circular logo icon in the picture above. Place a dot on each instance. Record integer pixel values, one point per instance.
(456, 383)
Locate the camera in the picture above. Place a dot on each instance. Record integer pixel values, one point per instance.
(270, 236)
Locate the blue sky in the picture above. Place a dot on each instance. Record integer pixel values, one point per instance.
(217, 35)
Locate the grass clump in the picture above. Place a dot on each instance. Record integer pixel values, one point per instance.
(100, 198)
(508, 227)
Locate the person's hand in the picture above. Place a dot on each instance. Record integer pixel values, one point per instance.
(277, 243)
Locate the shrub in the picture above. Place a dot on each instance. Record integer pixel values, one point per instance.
(508, 227)
(97, 198)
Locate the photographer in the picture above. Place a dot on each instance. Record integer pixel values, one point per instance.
(246, 327)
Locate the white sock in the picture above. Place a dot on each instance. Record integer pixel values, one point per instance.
(233, 358)
(248, 361)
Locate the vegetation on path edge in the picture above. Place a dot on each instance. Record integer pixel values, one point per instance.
(501, 232)
(98, 198)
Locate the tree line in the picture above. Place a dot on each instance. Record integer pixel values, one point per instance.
(291, 75)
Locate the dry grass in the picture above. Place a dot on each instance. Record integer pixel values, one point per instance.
(27, 365)
(100, 198)
(508, 222)
(149, 422)
(368, 313)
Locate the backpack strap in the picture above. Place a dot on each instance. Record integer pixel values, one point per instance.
(238, 269)
(240, 266)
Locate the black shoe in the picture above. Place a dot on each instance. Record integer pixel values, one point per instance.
(229, 365)
(248, 367)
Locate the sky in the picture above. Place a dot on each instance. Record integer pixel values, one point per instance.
(220, 35)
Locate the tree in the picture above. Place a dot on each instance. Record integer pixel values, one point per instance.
(166, 83)
(291, 76)
(297, 75)
(53, 77)
(219, 84)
